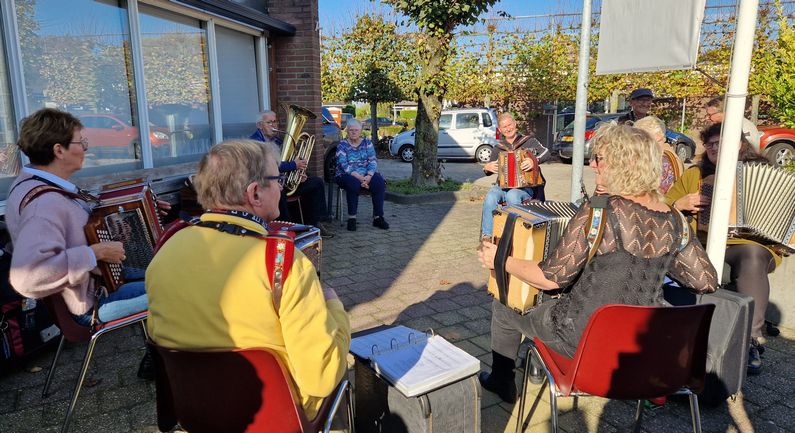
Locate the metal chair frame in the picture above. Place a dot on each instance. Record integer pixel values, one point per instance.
(101, 330)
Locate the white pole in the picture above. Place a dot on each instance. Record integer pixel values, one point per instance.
(581, 102)
(725, 174)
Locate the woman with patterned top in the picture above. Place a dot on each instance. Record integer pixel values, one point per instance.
(356, 165)
(643, 240)
(672, 166)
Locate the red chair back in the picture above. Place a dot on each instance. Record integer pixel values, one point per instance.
(636, 352)
(71, 330)
(230, 391)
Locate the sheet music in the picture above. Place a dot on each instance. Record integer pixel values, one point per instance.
(413, 362)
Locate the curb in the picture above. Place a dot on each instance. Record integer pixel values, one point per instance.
(474, 194)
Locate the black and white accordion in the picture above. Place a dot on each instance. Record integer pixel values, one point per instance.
(127, 212)
(530, 232)
(763, 206)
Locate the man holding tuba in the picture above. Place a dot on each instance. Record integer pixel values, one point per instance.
(311, 188)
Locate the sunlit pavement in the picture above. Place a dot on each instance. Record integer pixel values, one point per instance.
(423, 273)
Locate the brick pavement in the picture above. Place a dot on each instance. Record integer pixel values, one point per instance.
(421, 273)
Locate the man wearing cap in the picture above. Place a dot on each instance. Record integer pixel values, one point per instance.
(714, 110)
(640, 100)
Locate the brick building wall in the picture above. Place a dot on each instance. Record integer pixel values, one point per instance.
(295, 68)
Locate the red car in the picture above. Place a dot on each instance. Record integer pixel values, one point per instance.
(778, 144)
(107, 133)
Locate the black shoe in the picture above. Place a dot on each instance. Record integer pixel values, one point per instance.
(381, 223)
(146, 369)
(754, 358)
(325, 232)
(536, 376)
(771, 329)
(505, 389)
(351, 224)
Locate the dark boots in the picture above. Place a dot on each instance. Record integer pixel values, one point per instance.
(501, 379)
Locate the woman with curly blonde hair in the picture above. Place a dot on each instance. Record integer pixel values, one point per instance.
(643, 239)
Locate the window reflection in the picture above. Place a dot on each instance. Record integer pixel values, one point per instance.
(9, 155)
(76, 57)
(177, 83)
(237, 73)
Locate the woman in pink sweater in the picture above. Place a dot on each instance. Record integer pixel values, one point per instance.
(51, 254)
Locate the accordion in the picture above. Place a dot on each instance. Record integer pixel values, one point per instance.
(509, 170)
(530, 231)
(307, 239)
(763, 206)
(127, 212)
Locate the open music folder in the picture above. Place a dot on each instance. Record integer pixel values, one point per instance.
(412, 361)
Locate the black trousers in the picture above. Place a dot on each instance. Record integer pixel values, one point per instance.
(313, 202)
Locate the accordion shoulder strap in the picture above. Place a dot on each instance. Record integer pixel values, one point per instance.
(38, 191)
(501, 258)
(596, 224)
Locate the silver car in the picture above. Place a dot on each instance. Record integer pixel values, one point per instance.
(464, 133)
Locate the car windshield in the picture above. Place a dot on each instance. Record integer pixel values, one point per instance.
(590, 123)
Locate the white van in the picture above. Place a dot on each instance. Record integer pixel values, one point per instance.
(464, 133)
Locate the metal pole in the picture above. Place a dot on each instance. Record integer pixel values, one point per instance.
(682, 123)
(581, 102)
(725, 174)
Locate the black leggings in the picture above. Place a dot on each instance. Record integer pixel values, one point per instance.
(750, 265)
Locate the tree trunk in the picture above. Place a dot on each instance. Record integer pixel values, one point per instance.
(374, 123)
(425, 167)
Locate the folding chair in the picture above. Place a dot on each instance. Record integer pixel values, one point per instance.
(76, 333)
(630, 353)
(235, 391)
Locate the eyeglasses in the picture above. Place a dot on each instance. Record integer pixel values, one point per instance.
(712, 144)
(83, 142)
(279, 178)
(268, 122)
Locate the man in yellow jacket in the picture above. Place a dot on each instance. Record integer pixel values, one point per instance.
(209, 288)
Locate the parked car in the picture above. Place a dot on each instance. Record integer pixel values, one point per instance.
(107, 133)
(344, 117)
(332, 134)
(382, 121)
(464, 133)
(683, 145)
(778, 144)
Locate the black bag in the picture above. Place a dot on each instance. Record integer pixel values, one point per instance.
(24, 328)
(729, 338)
(380, 408)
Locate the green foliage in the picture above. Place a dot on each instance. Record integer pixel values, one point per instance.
(374, 86)
(790, 167)
(408, 114)
(441, 16)
(407, 187)
(350, 109)
(778, 81)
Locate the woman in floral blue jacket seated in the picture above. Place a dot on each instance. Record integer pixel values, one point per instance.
(356, 165)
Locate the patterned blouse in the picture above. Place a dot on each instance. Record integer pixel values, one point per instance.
(360, 159)
(668, 174)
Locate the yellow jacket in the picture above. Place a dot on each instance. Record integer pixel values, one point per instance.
(209, 290)
(688, 184)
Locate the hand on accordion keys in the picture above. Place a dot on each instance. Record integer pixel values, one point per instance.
(486, 254)
(527, 164)
(109, 252)
(163, 207)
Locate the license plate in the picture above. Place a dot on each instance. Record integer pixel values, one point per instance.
(567, 138)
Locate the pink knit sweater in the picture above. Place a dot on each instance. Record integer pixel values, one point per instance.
(51, 254)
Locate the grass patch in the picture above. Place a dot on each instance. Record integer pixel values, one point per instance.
(405, 187)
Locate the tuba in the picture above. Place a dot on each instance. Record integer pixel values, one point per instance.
(297, 144)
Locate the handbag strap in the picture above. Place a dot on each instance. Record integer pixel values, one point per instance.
(596, 224)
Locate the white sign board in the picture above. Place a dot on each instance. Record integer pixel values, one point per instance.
(648, 35)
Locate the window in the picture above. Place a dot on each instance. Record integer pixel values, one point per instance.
(9, 155)
(237, 70)
(467, 121)
(445, 121)
(176, 74)
(486, 119)
(76, 57)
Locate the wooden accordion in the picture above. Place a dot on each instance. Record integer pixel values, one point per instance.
(530, 232)
(127, 212)
(509, 170)
(307, 239)
(763, 206)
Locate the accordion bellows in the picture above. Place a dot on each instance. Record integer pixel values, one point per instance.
(763, 205)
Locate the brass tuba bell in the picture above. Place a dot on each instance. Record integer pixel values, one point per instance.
(297, 144)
